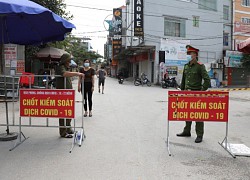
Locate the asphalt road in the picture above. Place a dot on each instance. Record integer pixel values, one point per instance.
(126, 141)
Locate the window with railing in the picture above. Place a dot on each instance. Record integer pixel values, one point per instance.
(196, 21)
(210, 5)
(174, 27)
(245, 2)
(226, 12)
(225, 39)
(245, 20)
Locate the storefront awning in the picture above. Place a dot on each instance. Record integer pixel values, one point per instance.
(244, 46)
(133, 51)
(140, 49)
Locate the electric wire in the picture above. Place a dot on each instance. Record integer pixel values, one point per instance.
(145, 14)
(162, 16)
(155, 14)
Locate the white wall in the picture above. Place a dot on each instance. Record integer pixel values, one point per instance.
(208, 37)
(227, 24)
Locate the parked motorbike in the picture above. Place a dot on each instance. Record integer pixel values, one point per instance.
(142, 81)
(169, 82)
(164, 84)
(120, 80)
(51, 82)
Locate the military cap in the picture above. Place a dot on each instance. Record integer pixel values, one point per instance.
(191, 49)
(64, 58)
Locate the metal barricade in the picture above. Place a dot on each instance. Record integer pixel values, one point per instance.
(27, 83)
(9, 88)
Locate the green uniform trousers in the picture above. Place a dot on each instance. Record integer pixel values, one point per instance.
(199, 128)
(63, 131)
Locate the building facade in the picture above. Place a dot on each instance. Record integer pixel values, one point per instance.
(241, 21)
(149, 25)
(12, 59)
(234, 73)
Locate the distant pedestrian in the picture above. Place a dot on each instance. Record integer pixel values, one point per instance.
(101, 74)
(89, 82)
(63, 71)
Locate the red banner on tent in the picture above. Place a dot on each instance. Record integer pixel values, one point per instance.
(50, 103)
(198, 106)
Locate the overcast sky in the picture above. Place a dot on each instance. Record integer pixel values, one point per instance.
(89, 21)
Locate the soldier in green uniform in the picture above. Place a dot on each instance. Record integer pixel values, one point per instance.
(193, 74)
(63, 71)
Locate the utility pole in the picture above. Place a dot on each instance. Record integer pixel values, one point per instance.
(132, 5)
(232, 26)
(127, 13)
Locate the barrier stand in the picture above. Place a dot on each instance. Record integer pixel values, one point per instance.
(234, 149)
(82, 132)
(74, 137)
(7, 85)
(20, 135)
(79, 136)
(199, 106)
(167, 142)
(225, 143)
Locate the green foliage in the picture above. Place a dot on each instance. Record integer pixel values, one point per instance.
(75, 46)
(71, 44)
(58, 7)
(79, 51)
(246, 61)
(30, 52)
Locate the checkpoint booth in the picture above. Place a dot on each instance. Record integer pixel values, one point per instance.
(202, 106)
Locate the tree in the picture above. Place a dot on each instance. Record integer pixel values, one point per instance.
(246, 61)
(58, 7)
(71, 44)
(76, 47)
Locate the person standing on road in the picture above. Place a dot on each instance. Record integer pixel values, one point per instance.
(101, 75)
(64, 82)
(193, 74)
(89, 82)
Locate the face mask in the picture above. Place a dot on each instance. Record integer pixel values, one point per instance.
(86, 64)
(189, 58)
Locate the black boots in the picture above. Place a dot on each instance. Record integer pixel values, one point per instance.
(198, 139)
(184, 134)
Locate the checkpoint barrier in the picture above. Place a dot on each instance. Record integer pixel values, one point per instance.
(199, 106)
(9, 93)
(231, 89)
(45, 103)
(9, 89)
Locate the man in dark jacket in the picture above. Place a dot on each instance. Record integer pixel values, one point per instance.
(64, 82)
(193, 74)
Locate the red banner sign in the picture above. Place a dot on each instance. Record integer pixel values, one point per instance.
(198, 106)
(50, 103)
